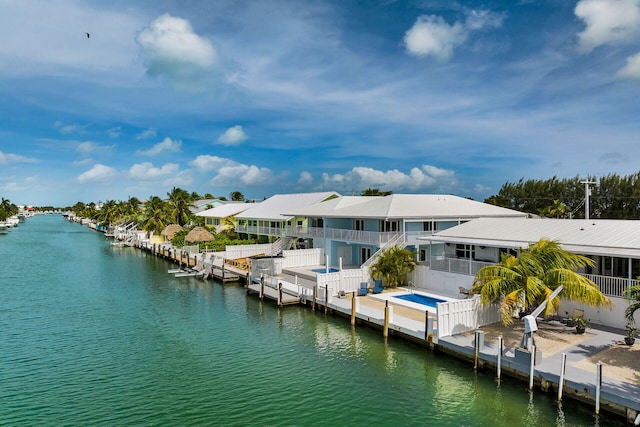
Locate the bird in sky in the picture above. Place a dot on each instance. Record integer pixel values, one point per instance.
(87, 35)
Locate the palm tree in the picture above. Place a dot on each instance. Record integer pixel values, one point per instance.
(178, 205)
(632, 293)
(109, 213)
(236, 196)
(524, 282)
(393, 265)
(7, 209)
(156, 218)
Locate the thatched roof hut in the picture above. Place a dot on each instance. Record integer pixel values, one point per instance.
(198, 234)
(170, 230)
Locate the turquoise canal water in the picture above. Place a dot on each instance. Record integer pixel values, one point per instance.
(97, 335)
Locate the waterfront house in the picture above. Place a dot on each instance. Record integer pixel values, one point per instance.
(458, 253)
(222, 218)
(268, 220)
(352, 229)
(203, 204)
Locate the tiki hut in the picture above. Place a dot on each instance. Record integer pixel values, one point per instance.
(198, 234)
(170, 230)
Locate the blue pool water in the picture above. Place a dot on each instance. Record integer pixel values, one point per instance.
(324, 270)
(420, 299)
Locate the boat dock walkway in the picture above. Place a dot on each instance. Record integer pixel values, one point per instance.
(614, 395)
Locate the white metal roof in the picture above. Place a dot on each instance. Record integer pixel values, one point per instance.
(229, 209)
(590, 237)
(276, 207)
(404, 206)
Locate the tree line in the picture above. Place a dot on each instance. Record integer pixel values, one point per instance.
(7, 209)
(612, 197)
(153, 215)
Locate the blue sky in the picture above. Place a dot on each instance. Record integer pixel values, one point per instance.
(268, 97)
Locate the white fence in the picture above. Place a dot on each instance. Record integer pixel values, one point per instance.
(344, 280)
(460, 316)
(303, 257)
(244, 251)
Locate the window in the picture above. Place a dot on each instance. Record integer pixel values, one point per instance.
(428, 226)
(386, 226)
(465, 251)
(358, 224)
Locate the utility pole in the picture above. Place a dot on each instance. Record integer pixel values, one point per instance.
(587, 193)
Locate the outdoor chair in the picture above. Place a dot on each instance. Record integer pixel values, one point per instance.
(377, 286)
(364, 289)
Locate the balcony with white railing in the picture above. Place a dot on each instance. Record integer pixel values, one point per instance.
(608, 285)
(458, 265)
(355, 236)
(612, 286)
(259, 230)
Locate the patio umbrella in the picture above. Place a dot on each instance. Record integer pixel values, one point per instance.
(170, 230)
(198, 234)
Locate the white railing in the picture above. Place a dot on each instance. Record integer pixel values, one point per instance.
(457, 265)
(360, 236)
(608, 285)
(260, 230)
(612, 286)
(399, 238)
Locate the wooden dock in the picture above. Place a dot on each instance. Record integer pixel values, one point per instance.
(281, 296)
(224, 275)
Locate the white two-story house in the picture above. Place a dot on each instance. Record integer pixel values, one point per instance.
(458, 253)
(352, 229)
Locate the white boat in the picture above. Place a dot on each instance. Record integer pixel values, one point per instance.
(4, 228)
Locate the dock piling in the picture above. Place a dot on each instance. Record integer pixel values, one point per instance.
(353, 310)
(385, 331)
(532, 367)
(499, 362)
(563, 368)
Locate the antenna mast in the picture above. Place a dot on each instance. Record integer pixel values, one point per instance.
(587, 193)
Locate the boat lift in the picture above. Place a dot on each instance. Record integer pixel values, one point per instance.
(530, 324)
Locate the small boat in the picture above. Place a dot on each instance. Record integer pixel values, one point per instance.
(4, 228)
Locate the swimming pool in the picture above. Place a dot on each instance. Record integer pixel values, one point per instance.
(324, 270)
(420, 299)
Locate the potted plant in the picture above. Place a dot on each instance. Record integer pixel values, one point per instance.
(570, 321)
(581, 324)
(630, 336)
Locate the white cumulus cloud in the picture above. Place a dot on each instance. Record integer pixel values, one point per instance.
(632, 69)
(431, 35)
(167, 145)
(207, 163)
(249, 175)
(232, 136)
(172, 50)
(305, 178)
(425, 178)
(146, 170)
(97, 173)
(607, 21)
